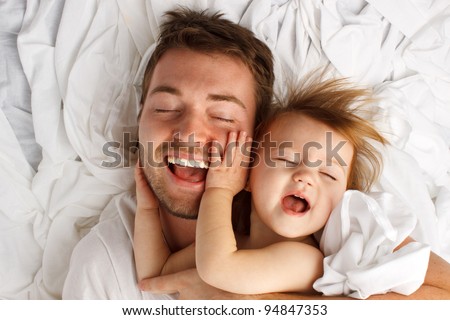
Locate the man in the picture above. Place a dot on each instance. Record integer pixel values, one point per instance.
(206, 77)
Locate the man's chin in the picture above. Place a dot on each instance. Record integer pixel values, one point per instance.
(176, 197)
(185, 208)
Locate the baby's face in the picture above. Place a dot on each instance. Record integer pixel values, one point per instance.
(300, 175)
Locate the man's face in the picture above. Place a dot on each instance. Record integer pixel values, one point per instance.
(193, 99)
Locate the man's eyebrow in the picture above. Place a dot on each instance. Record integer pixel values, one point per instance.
(224, 97)
(166, 89)
(213, 97)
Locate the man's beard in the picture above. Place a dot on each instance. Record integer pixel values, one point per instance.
(186, 206)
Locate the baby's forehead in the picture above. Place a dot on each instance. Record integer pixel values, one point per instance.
(295, 130)
(298, 124)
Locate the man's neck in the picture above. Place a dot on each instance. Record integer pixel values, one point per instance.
(178, 232)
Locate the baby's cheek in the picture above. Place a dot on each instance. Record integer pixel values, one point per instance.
(337, 196)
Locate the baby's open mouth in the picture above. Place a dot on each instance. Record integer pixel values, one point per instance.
(188, 169)
(295, 203)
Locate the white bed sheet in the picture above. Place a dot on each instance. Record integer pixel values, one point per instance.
(80, 58)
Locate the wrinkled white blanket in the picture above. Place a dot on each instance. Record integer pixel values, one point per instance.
(80, 58)
(359, 241)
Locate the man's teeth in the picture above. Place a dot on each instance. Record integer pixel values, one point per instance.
(188, 163)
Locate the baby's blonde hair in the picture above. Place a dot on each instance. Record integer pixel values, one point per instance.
(335, 103)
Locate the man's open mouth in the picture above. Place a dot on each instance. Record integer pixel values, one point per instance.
(188, 169)
(295, 204)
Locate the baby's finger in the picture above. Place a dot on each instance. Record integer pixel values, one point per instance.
(215, 158)
(245, 152)
(137, 173)
(240, 144)
(230, 150)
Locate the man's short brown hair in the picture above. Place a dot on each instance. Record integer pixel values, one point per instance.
(195, 30)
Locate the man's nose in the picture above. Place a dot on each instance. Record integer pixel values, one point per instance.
(194, 129)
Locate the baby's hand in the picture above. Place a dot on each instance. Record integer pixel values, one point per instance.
(231, 171)
(145, 197)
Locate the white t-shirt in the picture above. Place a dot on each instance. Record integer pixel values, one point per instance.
(102, 263)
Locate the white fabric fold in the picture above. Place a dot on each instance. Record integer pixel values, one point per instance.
(22, 222)
(359, 241)
(81, 59)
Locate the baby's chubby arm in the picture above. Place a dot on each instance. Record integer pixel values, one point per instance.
(150, 249)
(226, 177)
